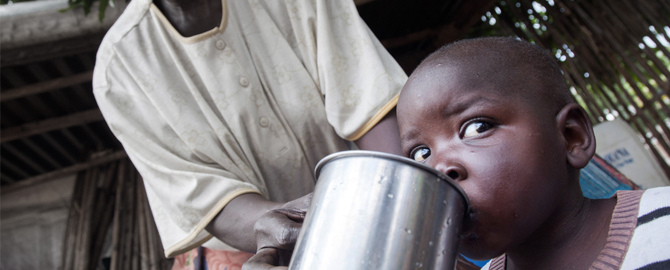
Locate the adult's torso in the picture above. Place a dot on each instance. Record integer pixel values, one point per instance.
(248, 82)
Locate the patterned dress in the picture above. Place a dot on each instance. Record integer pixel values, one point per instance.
(248, 107)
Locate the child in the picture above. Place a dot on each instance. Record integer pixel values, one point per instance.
(496, 115)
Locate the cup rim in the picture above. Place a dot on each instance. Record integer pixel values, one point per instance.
(407, 161)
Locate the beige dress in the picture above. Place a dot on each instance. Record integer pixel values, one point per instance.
(249, 106)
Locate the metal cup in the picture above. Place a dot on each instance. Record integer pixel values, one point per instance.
(373, 210)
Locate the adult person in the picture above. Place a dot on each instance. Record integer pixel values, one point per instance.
(225, 107)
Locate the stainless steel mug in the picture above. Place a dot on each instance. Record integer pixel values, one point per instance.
(373, 210)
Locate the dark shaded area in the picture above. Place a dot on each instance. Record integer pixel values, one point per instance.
(410, 30)
(397, 18)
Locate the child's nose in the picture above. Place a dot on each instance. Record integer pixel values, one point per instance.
(454, 171)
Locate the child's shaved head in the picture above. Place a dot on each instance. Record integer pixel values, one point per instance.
(496, 115)
(512, 62)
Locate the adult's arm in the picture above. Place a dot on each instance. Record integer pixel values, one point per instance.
(358, 78)
(279, 226)
(189, 178)
(236, 221)
(383, 137)
(186, 194)
(277, 230)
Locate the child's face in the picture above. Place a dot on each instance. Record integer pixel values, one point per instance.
(504, 150)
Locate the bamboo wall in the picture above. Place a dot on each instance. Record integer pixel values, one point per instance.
(614, 54)
(112, 197)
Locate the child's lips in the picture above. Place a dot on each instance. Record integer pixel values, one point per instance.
(468, 236)
(467, 229)
(467, 233)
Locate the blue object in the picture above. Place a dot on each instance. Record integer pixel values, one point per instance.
(477, 263)
(598, 183)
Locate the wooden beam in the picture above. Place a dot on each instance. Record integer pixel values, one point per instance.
(75, 119)
(42, 178)
(46, 86)
(7, 178)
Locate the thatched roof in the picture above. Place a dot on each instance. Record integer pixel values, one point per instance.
(613, 53)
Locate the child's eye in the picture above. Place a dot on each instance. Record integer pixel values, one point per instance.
(420, 154)
(475, 128)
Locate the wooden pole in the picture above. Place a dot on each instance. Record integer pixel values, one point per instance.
(129, 220)
(116, 224)
(82, 250)
(143, 233)
(67, 259)
(103, 215)
(154, 256)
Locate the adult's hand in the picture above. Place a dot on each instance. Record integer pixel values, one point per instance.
(276, 234)
(264, 259)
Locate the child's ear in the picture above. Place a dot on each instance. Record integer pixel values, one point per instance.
(578, 134)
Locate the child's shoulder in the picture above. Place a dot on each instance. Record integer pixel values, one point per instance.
(650, 243)
(497, 263)
(646, 215)
(653, 202)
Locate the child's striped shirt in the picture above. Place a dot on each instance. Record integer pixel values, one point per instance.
(639, 235)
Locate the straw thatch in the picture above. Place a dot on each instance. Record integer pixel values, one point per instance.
(614, 55)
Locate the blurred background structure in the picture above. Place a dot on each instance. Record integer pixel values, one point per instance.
(72, 200)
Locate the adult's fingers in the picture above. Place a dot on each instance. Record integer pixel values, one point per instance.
(300, 204)
(296, 215)
(278, 229)
(264, 259)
